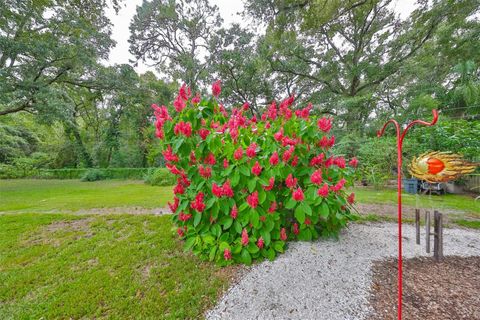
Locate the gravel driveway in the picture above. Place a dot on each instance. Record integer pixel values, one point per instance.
(327, 279)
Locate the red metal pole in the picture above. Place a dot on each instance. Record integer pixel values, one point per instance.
(400, 137)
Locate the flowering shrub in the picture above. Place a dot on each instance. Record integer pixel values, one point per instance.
(244, 185)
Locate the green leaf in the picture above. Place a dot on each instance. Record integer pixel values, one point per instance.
(228, 223)
(252, 248)
(324, 210)
(262, 195)
(242, 207)
(251, 185)
(189, 243)
(245, 171)
(235, 178)
(254, 218)
(237, 226)
(278, 246)
(270, 254)
(300, 214)
(306, 208)
(290, 203)
(197, 217)
(266, 236)
(245, 257)
(213, 251)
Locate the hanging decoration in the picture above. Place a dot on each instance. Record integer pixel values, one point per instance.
(439, 166)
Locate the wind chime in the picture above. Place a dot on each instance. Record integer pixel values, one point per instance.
(436, 167)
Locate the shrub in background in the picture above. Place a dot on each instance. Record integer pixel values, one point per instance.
(159, 177)
(246, 186)
(93, 175)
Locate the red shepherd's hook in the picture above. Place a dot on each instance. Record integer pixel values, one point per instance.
(400, 137)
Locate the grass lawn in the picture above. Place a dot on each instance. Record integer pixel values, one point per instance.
(117, 266)
(449, 201)
(73, 195)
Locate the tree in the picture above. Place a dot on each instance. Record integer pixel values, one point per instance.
(351, 49)
(47, 46)
(175, 35)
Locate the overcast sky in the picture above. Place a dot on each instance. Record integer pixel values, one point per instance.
(228, 11)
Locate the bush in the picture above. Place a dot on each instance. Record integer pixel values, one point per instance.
(245, 186)
(159, 177)
(93, 175)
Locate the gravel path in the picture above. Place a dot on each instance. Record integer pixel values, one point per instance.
(327, 279)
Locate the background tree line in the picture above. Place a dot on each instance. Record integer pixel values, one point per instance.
(356, 60)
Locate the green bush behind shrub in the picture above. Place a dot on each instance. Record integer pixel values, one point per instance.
(159, 177)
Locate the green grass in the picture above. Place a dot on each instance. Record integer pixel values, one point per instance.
(468, 223)
(449, 201)
(116, 267)
(73, 195)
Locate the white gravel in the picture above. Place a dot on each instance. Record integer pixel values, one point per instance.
(327, 279)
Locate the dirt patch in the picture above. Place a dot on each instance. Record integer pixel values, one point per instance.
(53, 234)
(431, 291)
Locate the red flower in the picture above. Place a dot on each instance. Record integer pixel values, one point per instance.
(296, 231)
(294, 161)
(196, 99)
(339, 162)
(210, 159)
(291, 181)
(245, 106)
(298, 195)
(339, 185)
(198, 204)
(179, 104)
(252, 150)
(244, 237)
(351, 198)
(260, 243)
(227, 189)
(257, 169)
(328, 162)
(217, 190)
(283, 234)
(279, 135)
(179, 189)
(324, 124)
(331, 142)
(274, 159)
(203, 133)
(184, 128)
(263, 218)
(225, 163)
(238, 154)
(273, 207)
(323, 191)
(169, 155)
(271, 183)
(307, 221)
(317, 160)
(252, 199)
(288, 154)
(193, 159)
(205, 172)
(316, 177)
(353, 162)
(272, 111)
(234, 212)
(184, 217)
(323, 142)
(180, 232)
(173, 169)
(227, 254)
(216, 88)
(184, 92)
(174, 206)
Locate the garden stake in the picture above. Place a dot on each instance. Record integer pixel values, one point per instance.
(400, 137)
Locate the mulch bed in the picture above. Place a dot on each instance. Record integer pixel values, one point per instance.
(446, 290)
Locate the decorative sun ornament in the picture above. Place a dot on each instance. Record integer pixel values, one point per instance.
(440, 166)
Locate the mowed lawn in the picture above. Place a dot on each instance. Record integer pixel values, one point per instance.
(56, 266)
(449, 201)
(74, 195)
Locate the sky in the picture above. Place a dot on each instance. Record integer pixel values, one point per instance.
(228, 10)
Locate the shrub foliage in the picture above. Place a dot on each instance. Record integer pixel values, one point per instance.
(245, 185)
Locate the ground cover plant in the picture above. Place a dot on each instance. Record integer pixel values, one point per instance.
(65, 266)
(246, 185)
